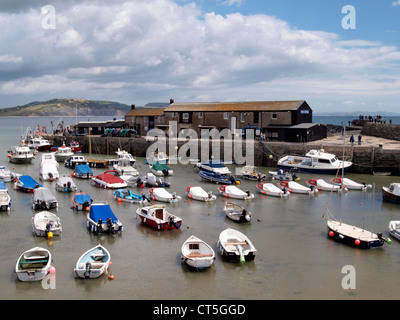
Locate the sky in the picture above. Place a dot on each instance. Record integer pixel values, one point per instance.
(337, 58)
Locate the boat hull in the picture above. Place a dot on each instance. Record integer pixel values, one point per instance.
(308, 169)
(390, 197)
(33, 265)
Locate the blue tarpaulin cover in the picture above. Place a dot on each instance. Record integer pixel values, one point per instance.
(29, 182)
(101, 211)
(82, 198)
(83, 169)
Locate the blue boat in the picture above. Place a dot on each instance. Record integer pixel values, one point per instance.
(101, 219)
(126, 195)
(213, 166)
(82, 171)
(81, 201)
(26, 184)
(218, 178)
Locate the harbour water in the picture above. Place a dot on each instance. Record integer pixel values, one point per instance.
(295, 260)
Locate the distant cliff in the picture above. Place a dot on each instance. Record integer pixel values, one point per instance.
(67, 107)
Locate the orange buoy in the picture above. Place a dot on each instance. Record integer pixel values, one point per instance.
(111, 277)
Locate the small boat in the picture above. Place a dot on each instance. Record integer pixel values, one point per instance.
(20, 155)
(197, 254)
(198, 193)
(158, 217)
(43, 199)
(33, 265)
(63, 153)
(237, 213)
(75, 160)
(322, 185)
(126, 195)
(284, 175)
(82, 171)
(394, 229)
(48, 167)
(74, 145)
(218, 178)
(350, 184)
(235, 246)
(160, 194)
(93, 263)
(251, 173)
(81, 201)
(108, 180)
(6, 175)
(235, 193)
(294, 187)
(101, 219)
(152, 181)
(5, 199)
(46, 224)
(124, 168)
(271, 190)
(65, 184)
(213, 166)
(26, 184)
(391, 194)
(161, 169)
(155, 157)
(122, 155)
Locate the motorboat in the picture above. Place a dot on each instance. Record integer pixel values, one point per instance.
(101, 219)
(82, 171)
(235, 246)
(160, 194)
(237, 213)
(65, 184)
(271, 190)
(198, 193)
(322, 185)
(43, 199)
(46, 224)
(197, 254)
(394, 229)
(218, 178)
(155, 157)
(5, 198)
(158, 217)
(284, 175)
(20, 155)
(81, 201)
(109, 180)
(161, 169)
(74, 145)
(38, 143)
(391, 193)
(63, 153)
(315, 161)
(122, 155)
(235, 193)
(294, 187)
(250, 173)
(33, 264)
(26, 183)
(93, 263)
(351, 185)
(126, 195)
(213, 166)
(124, 168)
(75, 160)
(6, 175)
(150, 180)
(48, 167)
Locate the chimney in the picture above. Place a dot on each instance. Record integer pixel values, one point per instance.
(132, 106)
(171, 101)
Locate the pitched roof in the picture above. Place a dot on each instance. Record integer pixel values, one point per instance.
(137, 112)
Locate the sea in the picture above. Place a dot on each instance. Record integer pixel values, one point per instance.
(295, 259)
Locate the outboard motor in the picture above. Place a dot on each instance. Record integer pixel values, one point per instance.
(88, 267)
(110, 225)
(99, 225)
(248, 193)
(165, 172)
(51, 176)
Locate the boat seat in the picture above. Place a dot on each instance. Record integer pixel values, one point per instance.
(198, 255)
(235, 243)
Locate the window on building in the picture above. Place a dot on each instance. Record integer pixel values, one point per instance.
(145, 120)
(226, 115)
(274, 115)
(160, 119)
(256, 116)
(200, 115)
(242, 117)
(185, 116)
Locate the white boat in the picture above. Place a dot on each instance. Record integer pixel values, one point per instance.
(34, 264)
(65, 184)
(271, 190)
(123, 155)
(351, 185)
(5, 198)
(93, 263)
(294, 187)
(322, 185)
(48, 167)
(160, 194)
(250, 173)
(158, 217)
(198, 193)
(46, 224)
(213, 166)
(155, 157)
(283, 175)
(6, 175)
(43, 199)
(75, 160)
(20, 155)
(197, 253)
(315, 161)
(237, 213)
(235, 193)
(124, 168)
(63, 153)
(391, 193)
(38, 143)
(161, 169)
(235, 246)
(394, 229)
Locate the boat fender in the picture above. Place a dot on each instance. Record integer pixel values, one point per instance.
(331, 233)
(357, 242)
(111, 276)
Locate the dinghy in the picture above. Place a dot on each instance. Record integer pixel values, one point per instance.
(81, 201)
(161, 169)
(272, 190)
(48, 168)
(294, 187)
(43, 199)
(160, 194)
(394, 229)
(322, 185)
(108, 180)
(198, 193)
(5, 199)
(237, 213)
(284, 175)
(46, 224)
(235, 246)
(391, 194)
(65, 184)
(158, 217)
(251, 173)
(218, 178)
(197, 254)
(6, 175)
(33, 265)
(93, 263)
(350, 184)
(235, 193)
(26, 184)
(101, 219)
(126, 195)
(82, 171)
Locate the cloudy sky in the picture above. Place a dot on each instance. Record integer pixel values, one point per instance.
(140, 51)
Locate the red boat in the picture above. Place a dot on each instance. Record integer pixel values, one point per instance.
(109, 181)
(158, 217)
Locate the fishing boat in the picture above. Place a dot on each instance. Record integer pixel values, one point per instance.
(122, 155)
(251, 173)
(48, 167)
(213, 166)
(315, 161)
(197, 254)
(160, 194)
(237, 213)
(74, 145)
(5, 198)
(283, 175)
(126, 195)
(75, 160)
(82, 171)
(124, 168)
(322, 185)
(391, 193)
(218, 178)
(37, 142)
(33, 265)
(351, 185)
(294, 187)
(20, 155)
(272, 190)
(93, 263)
(235, 193)
(46, 224)
(394, 229)
(43, 199)
(26, 183)
(158, 217)
(109, 180)
(81, 201)
(235, 246)
(65, 184)
(63, 153)
(101, 219)
(198, 193)
(155, 157)
(161, 169)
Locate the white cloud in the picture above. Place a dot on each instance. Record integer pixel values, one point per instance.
(396, 3)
